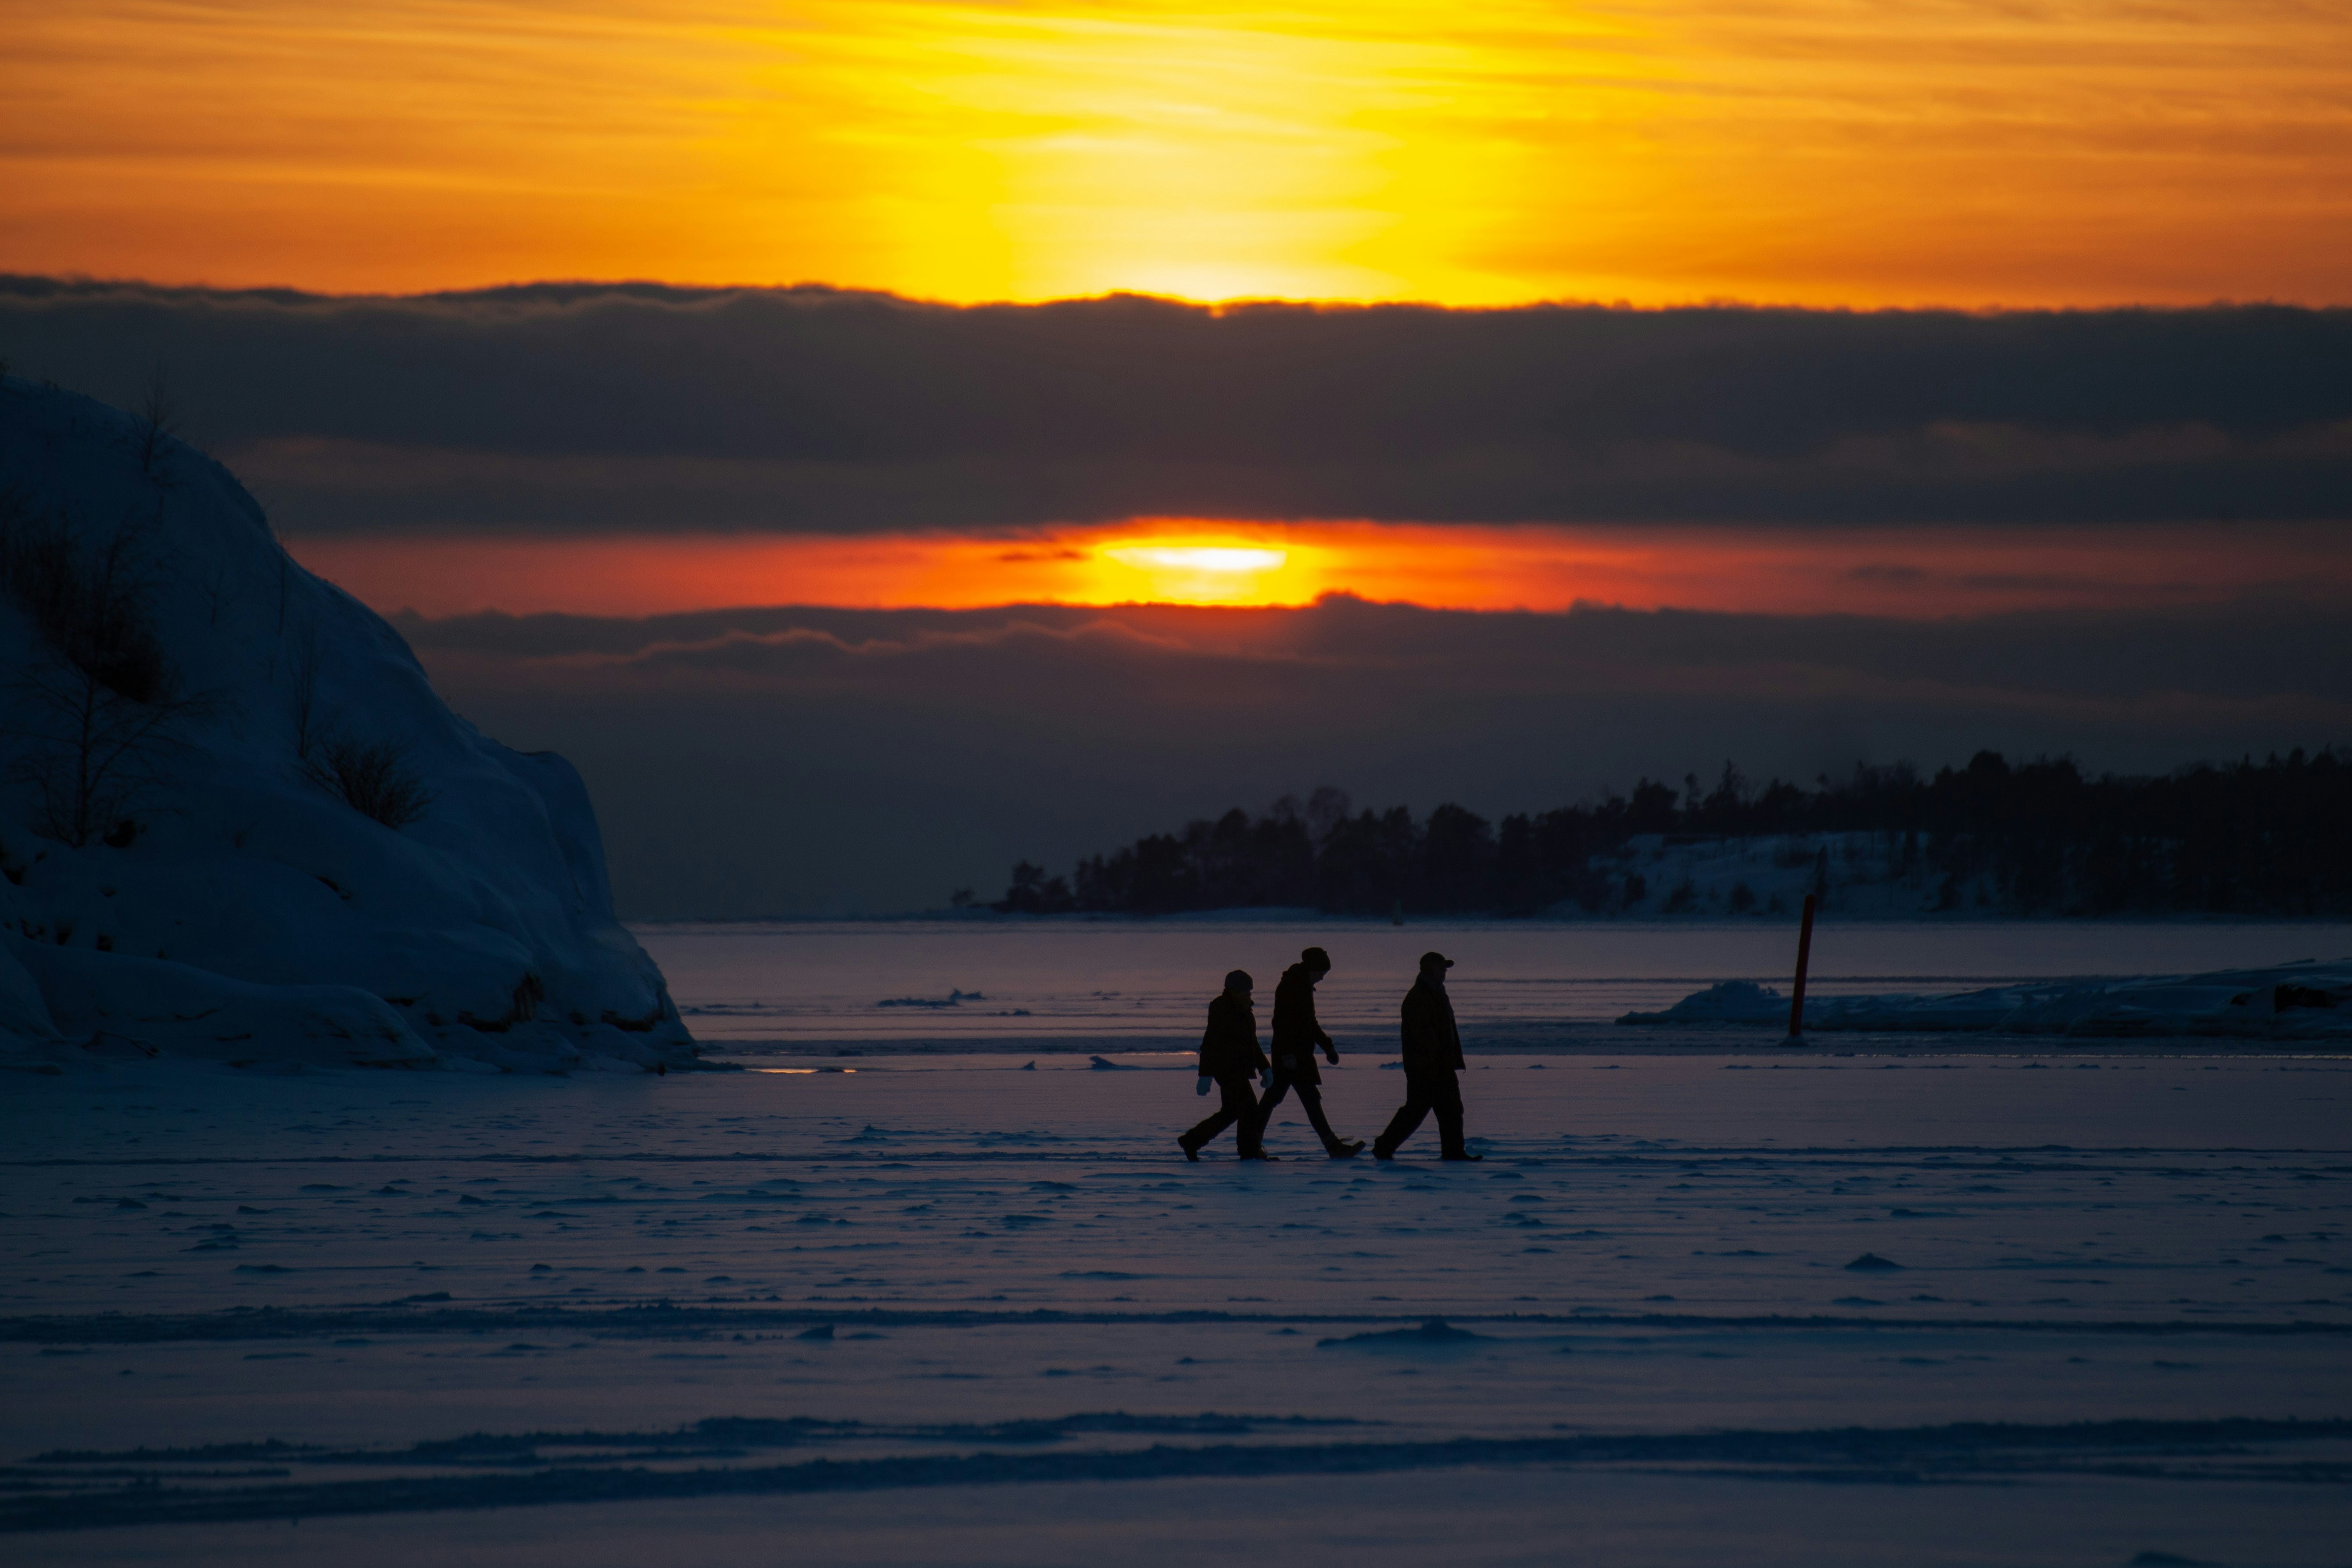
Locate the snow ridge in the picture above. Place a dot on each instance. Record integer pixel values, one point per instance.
(1979, 1452)
(2304, 1000)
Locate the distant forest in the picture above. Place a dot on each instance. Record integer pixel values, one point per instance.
(2272, 837)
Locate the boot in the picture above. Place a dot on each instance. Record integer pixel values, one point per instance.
(1191, 1153)
(1344, 1150)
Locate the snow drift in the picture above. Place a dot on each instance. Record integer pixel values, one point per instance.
(2291, 1002)
(236, 823)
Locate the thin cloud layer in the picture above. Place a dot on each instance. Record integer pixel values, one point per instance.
(643, 409)
(817, 761)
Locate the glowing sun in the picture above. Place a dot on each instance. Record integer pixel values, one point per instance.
(1194, 573)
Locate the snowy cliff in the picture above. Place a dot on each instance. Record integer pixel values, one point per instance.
(236, 823)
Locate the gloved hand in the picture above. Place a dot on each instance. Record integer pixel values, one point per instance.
(1266, 1078)
(1202, 1087)
(1331, 1055)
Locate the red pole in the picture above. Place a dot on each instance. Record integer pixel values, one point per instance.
(1804, 956)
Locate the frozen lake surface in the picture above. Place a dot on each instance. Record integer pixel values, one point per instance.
(943, 1308)
(1082, 985)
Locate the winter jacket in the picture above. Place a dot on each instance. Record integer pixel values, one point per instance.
(1296, 1035)
(1229, 1048)
(1431, 1041)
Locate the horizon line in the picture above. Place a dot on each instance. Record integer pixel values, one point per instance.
(1213, 306)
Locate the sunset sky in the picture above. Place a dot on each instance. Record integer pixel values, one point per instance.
(1852, 152)
(812, 413)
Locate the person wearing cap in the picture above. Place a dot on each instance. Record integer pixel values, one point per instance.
(1432, 1055)
(1296, 1035)
(1230, 1057)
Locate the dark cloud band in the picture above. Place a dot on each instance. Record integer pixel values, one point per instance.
(646, 408)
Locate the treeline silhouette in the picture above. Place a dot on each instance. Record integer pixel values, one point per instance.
(2271, 838)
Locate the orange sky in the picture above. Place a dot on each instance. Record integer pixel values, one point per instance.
(1835, 152)
(1901, 572)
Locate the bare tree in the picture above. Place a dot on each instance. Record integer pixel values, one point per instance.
(285, 578)
(374, 778)
(155, 426)
(99, 721)
(97, 756)
(216, 585)
(302, 670)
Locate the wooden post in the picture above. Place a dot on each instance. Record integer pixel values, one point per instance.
(1804, 956)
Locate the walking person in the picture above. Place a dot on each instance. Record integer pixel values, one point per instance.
(1296, 1035)
(1230, 1057)
(1433, 1056)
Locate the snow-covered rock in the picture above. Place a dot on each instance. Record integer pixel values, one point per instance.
(215, 891)
(2304, 1000)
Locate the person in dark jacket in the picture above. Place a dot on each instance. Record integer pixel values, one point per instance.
(1230, 1057)
(1296, 1036)
(1432, 1055)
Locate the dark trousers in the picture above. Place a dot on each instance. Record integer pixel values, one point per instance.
(1424, 1092)
(1238, 1111)
(1311, 1096)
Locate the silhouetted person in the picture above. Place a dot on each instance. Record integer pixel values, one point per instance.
(1296, 1035)
(1432, 1055)
(1230, 1057)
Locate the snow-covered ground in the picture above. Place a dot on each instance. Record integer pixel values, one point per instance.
(939, 1309)
(235, 821)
